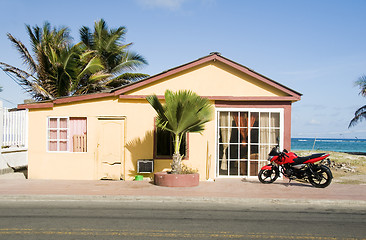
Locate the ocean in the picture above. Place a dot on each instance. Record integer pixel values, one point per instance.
(329, 144)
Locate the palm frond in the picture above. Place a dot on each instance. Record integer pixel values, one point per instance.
(18, 72)
(100, 30)
(93, 66)
(87, 55)
(35, 36)
(129, 62)
(24, 53)
(21, 78)
(125, 78)
(361, 83)
(115, 38)
(98, 76)
(155, 103)
(86, 36)
(40, 91)
(360, 115)
(183, 111)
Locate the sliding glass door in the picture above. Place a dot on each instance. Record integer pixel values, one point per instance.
(244, 139)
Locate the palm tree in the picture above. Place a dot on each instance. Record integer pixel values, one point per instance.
(57, 68)
(360, 114)
(183, 112)
(115, 57)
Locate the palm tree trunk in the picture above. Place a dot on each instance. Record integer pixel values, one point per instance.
(177, 163)
(177, 158)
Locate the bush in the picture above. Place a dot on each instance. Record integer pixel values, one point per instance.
(188, 170)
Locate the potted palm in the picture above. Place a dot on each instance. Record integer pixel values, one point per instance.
(184, 111)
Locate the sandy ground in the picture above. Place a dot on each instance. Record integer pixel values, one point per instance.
(16, 175)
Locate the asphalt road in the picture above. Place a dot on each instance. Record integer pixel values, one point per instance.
(186, 220)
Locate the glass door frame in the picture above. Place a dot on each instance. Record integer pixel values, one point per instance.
(217, 134)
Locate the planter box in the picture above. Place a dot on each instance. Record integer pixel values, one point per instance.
(176, 180)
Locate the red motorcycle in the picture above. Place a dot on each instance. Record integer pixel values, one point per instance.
(295, 167)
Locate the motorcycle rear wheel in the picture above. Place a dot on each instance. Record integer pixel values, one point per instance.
(268, 176)
(321, 177)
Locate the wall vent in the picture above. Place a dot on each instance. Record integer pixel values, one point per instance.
(145, 166)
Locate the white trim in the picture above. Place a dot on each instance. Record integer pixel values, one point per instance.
(246, 109)
(57, 132)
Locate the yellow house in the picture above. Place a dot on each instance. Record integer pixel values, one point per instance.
(112, 135)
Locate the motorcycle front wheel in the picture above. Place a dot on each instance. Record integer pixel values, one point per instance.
(321, 177)
(268, 176)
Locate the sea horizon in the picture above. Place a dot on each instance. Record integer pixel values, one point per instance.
(329, 144)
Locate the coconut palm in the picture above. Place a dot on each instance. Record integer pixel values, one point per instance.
(183, 112)
(115, 57)
(34, 79)
(360, 114)
(57, 68)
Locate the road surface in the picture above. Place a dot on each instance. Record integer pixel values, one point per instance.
(173, 220)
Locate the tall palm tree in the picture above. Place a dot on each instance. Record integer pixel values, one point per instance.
(360, 114)
(183, 112)
(56, 68)
(115, 56)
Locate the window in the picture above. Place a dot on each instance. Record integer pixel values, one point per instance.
(67, 134)
(164, 144)
(245, 138)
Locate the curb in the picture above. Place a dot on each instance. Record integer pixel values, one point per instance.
(291, 203)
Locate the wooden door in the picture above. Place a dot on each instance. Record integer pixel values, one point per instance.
(110, 148)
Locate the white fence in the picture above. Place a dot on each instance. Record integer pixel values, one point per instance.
(14, 128)
(13, 139)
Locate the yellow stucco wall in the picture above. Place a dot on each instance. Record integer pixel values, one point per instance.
(207, 80)
(139, 141)
(212, 79)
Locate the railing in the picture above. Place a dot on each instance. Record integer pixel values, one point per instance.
(79, 143)
(14, 129)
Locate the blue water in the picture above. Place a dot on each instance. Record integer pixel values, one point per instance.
(329, 144)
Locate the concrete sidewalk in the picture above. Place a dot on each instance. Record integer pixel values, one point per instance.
(222, 190)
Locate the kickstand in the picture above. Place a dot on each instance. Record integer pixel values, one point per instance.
(288, 183)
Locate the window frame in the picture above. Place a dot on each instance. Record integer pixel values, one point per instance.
(68, 142)
(58, 129)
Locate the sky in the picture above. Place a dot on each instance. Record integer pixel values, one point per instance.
(314, 47)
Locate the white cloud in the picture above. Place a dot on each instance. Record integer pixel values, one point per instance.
(168, 4)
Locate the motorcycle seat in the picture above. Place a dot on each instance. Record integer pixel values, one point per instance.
(300, 160)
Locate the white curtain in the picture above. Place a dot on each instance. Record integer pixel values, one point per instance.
(275, 124)
(264, 136)
(225, 120)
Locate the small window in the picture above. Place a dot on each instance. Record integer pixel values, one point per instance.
(67, 134)
(58, 134)
(165, 145)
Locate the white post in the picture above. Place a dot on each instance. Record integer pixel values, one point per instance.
(1, 124)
